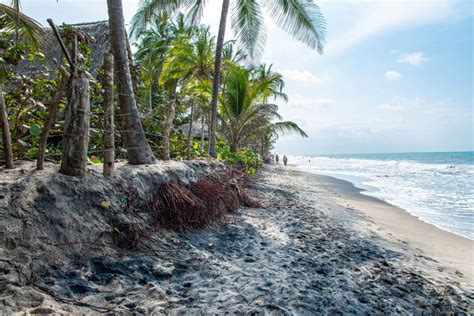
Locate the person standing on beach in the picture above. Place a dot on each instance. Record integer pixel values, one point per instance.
(285, 160)
(277, 158)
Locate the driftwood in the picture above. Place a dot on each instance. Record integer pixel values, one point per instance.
(7, 140)
(52, 114)
(109, 145)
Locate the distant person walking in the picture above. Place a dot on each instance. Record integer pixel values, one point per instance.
(285, 160)
(277, 158)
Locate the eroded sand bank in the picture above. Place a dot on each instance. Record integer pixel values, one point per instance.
(313, 248)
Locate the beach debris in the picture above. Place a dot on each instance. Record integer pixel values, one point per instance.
(105, 204)
(259, 302)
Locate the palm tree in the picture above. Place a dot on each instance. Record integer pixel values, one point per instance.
(138, 149)
(300, 18)
(13, 21)
(189, 61)
(152, 50)
(244, 108)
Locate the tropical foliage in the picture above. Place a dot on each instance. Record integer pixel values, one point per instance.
(175, 82)
(302, 19)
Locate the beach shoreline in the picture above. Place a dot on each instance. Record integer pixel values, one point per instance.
(315, 245)
(394, 223)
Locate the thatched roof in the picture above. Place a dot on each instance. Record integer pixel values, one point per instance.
(96, 32)
(197, 129)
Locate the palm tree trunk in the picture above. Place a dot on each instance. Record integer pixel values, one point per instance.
(138, 149)
(7, 140)
(209, 122)
(190, 133)
(109, 127)
(217, 77)
(168, 125)
(150, 96)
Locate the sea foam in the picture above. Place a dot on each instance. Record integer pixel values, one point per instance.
(438, 193)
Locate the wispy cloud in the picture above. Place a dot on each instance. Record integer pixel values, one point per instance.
(393, 75)
(414, 59)
(378, 17)
(306, 76)
(399, 104)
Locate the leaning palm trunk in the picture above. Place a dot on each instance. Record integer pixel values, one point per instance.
(138, 149)
(217, 77)
(190, 132)
(7, 140)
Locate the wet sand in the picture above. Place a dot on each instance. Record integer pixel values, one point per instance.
(398, 227)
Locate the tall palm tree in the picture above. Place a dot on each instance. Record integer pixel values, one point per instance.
(152, 50)
(302, 19)
(138, 149)
(166, 50)
(245, 111)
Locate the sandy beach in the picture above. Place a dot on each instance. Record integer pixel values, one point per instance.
(398, 227)
(316, 246)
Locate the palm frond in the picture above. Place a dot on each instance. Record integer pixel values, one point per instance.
(149, 10)
(13, 21)
(287, 127)
(248, 25)
(302, 19)
(195, 12)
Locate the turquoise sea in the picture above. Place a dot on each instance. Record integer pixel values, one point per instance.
(437, 187)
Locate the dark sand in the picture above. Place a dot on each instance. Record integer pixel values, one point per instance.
(317, 246)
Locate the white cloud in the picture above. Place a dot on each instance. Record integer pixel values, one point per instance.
(414, 59)
(306, 76)
(390, 107)
(304, 102)
(399, 104)
(393, 75)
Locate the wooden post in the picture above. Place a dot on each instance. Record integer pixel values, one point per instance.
(203, 122)
(109, 144)
(76, 128)
(52, 113)
(190, 132)
(7, 140)
(61, 43)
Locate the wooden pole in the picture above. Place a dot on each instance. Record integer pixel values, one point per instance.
(190, 132)
(52, 113)
(76, 128)
(7, 140)
(203, 122)
(109, 144)
(61, 43)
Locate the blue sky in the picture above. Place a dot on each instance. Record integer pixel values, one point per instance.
(396, 75)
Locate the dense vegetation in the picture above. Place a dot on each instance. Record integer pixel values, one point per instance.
(175, 80)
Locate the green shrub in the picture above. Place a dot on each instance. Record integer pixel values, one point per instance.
(243, 157)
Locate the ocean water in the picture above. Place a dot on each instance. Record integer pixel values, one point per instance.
(438, 188)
